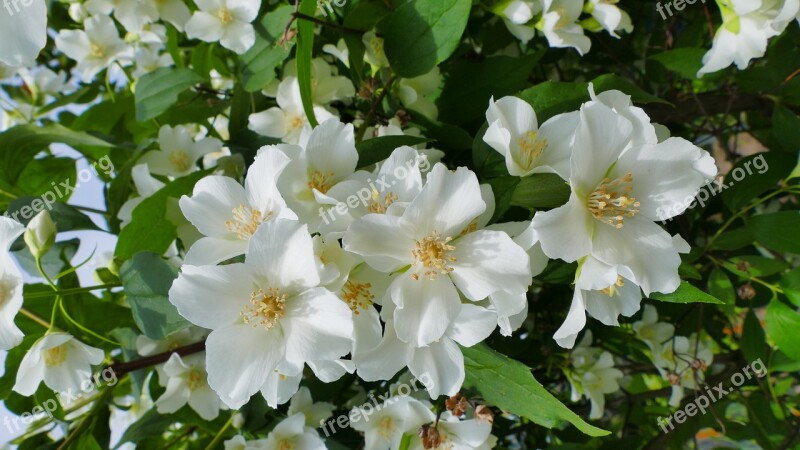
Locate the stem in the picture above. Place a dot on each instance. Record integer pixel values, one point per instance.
(85, 423)
(137, 364)
(373, 109)
(72, 291)
(34, 317)
(218, 438)
(90, 210)
(741, 212)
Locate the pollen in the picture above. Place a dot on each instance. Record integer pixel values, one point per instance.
(531, 149)
(433, 254)
(195, 380)
(386, 427)
(320, 181)
(180, 160)
(97, 51)
(563, 20)
(286, 445)
(357, 296)
(224, 15)
(296, 122)
(246, 221)
(55, 356)
(265, 308)
(611, 201)
(613, 290)
(377, 206)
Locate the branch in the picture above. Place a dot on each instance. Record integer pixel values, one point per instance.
(688, 108)
(123, 368)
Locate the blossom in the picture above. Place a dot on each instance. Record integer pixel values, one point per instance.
(560, 27)
(592, 375)
(315, 413)
(268, 308)
(292, 433)
(439, 249)
(239, 443)
(58, 359)
(651, 331)
(610, 16)
(94, 49)
(517, 14)
(326, 84)
(132, 14)
(186, 383)
(618, 192)
(374, 56)
(385, 425)
(23, 32)
(40, 234)
(514, 133)
(228, 214)
(178, 152)
(10, 285)
(181, 338)
(414, 92)
(453, 433)
(226, 21)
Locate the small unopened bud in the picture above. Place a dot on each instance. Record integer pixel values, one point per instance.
(699, 364)
(40, 234)
(457, 405)
(743, 266)
(746, 292)
(237, 421)
(673, 378)
(430, 437)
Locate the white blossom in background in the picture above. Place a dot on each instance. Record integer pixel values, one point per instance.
(384, 426)
(43, 81)
(226, 21)
(415, 93)
(592, 374)
(181, 338)
(374, 55)
(609, 16)
(178, 152)
(651, 331)
(514, 132)
(238, 442)
(517, 16)
(58, 359)
(10, 285)
(23, 32)
(94, 49)
(292, 433)
(456, 434)
(747, 26)
(338, 51)
(326, 84)
(315, 413)
(186, 382)
(228, 214)
(559, 24)
(132, 14)
(619, 191)
(682, 362)
(268, 308)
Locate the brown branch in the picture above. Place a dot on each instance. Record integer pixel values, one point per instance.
(689, 108)
(122, 368)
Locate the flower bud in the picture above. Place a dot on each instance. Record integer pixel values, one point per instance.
(40, 234)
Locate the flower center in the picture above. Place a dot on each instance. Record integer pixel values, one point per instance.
(377, 206)
(377, 45)
(433, 253)
(195, 380)
(611, 201)
(531, 148)
(265, 308)
(180, 160)
(320, 181)
(296, 122)
(6, 290)
(97, 51)
(246, 221)
(357, 295)
(612, 290)
(286, 445)
(55, 356)
(563, 19)
(386, 427)
(224, 15)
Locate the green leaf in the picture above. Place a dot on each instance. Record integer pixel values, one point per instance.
(720, 286)
(267, 53)
(509, 385)
(158, 90)
(754, 175)
(782, 323)
(305, 49)
(149, 229)
(786, 128)
(147, 279)
(420, 34)
(541, 190)
(790, 283)
(686, 293)
(777, 231)
(754, 343)
(683, 61)
(470, 85)
(555, 97)
(377, 149)
(611, 81)
(66, 217)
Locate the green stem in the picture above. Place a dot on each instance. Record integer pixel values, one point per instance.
(72, 291)
(82, 328)
(739, 214)
(34, 317)
(218, 438)
(86, 422)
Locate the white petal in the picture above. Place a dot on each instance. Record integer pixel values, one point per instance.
(473, 325)
(23, 31)
(565, 232)
(204, 26)
(487, 262)
(212, 203)
(425, 307)
(318, 326)
(282, 252)
(574, 322)
(237, 37)
(212, 296)
(443, 364)
(383, 241)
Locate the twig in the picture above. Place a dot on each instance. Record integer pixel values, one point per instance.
(137, 364)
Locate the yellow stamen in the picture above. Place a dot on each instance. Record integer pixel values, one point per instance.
(612, 290)
(377, 206)
(180, 160)
(611, 201)
(320, 181)
(97, 51)
(55, 356)
(224, 15)
(531, 149)
(357, 296)
(195, 380)
(386, 427)
(432, 253)
(286, 445)
(265, 308)
(246, 221)
(296, 122)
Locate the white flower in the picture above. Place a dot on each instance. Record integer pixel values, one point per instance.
(618, 192)
(514, 132)
(315, 413)
(651, 331)
(292, 433)
(682, 362)
(239, 443)
(326, 85)
(10, 285)
(385, 425)
(435, 246)
(414, 93)
(229, 214)
(620, 296)
(23, 32)
(457, 434)
(338, 51)
(610, 16)
(747, 25)
(592, 375)
(186, 383)
(269, 309)
(132, 14)
(44, 81)
(517, 14)
(288, 120)
(58, 359)
(374, 55)
(226, 21)
(178, 153)
(181, 338)
(560, 27)
(94, 49)
(40, 234)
